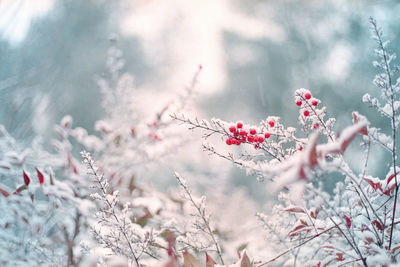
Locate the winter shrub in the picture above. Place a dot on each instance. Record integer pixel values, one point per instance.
(60, 210)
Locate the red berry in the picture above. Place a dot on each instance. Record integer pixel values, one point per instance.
(256, 146)
(232, 129)
(316, 126)
(243, 138)
(236, 134)
(243, 132)
(314, 102)
(300, 148)
(271, 123)
(239, 125)
(298, 103)
(250, 138)
(307, 95)
(237, 142)
(260, 139)
(306, 113)
(229, 141)
(267, 135)
(253, 131)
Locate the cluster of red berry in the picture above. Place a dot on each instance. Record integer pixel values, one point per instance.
(242, 136)
(306, 97)
(154, 135)
(305, 100)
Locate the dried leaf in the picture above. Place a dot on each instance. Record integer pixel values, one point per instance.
(189, 260)
(245, 262)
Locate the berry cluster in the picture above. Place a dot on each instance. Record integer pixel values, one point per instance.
(305, 101)
(240, 135)
(307, 104)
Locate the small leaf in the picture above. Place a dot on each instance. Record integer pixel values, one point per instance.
(378, 225)
(245, 262)
(189, 260)
(209, 261)
(364, 130)
(394, 249)
(40, 176)
(27, 180)
(295, 209)
(348, 221)
(4, 192)
(339, 257)
(373, 184)
(313, 150)
(21, 188)
(389, 179)
(389, 190)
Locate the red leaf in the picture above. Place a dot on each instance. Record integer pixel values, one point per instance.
(394, 249)
(40, 176)
(27, 180)
(339, 257)
(378, 225)
(348, 221)
(314, 213)
(313, 151)
(75, 169)
(4, 192)
(348, 135)
(364, 130)
(374, 185)
(295, 209)
(21, 188)
(389, 190)
(389, 179)
(299, 228)
(209, 261)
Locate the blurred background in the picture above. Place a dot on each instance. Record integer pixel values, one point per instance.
(254, 54)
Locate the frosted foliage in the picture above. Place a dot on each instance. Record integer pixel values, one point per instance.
(59, 209)
(43, 214)
(358, 224)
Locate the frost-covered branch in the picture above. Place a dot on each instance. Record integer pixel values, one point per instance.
(204, 224)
